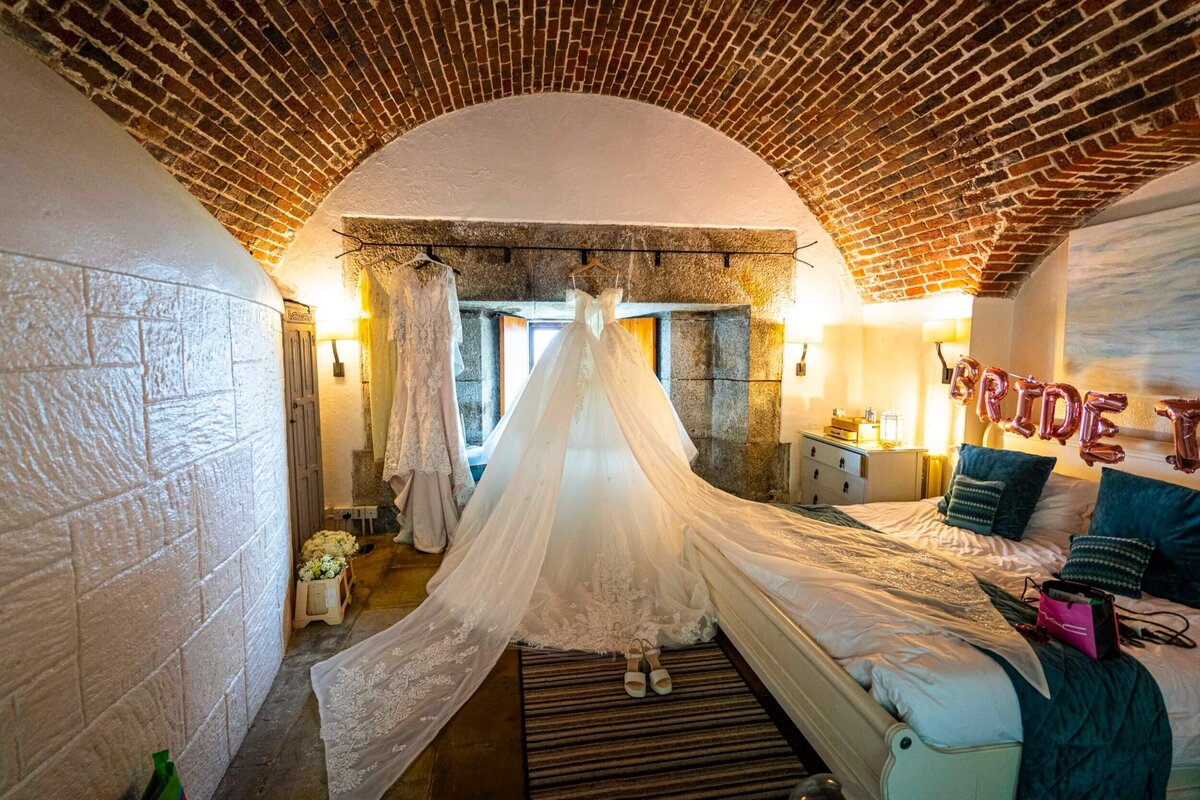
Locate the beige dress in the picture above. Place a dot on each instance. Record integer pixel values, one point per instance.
(425, 460)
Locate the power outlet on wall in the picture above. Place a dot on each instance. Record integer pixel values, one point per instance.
(354, 512)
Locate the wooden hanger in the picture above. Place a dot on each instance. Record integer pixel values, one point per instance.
(591, 265)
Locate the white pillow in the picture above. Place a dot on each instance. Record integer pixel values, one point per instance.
(1064, 509)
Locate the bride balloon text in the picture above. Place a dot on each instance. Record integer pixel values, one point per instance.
(1082, 415)
(1184, 416)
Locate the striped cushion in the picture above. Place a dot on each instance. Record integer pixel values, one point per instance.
(1108, 563)
(973, 503)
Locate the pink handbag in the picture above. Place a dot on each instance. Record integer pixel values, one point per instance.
(1081, 616)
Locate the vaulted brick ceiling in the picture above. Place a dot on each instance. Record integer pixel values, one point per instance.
(943, 144)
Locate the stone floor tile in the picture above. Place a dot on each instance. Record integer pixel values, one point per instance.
(494, 771)
(373, 620)
(405, 587)
(479, 754)
(408, 556)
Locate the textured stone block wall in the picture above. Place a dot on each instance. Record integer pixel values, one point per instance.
(722, 370)
(478, 386)
(945, 144)
(143, 527)
(721, 336)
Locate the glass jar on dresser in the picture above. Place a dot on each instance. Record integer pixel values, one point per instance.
(836, 472)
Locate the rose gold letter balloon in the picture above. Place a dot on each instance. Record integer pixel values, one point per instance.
(993, 385)
(1072, 412)
(962, 385)
(1184, 416)
(1027, 391)
(1094, 426)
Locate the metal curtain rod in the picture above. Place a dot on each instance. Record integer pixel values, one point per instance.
(506, 249)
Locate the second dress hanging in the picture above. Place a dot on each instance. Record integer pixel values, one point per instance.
(425, 461)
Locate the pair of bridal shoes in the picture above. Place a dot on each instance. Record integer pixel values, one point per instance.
(640, 659)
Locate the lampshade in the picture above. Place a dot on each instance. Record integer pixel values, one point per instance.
(343, 327)
(803, 330)
(962, 329)
(939, 330)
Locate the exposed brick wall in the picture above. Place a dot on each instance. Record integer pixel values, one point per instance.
(946, 144)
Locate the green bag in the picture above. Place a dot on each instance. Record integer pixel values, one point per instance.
(164, 783)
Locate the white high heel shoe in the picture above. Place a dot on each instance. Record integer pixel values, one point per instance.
(660, 679)
(635, 679)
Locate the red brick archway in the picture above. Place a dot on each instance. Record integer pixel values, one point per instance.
(945, 144)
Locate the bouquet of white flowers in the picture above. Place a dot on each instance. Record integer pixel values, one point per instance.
(322, 567)
(338, 544)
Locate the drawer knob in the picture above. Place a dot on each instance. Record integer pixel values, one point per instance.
(812, 452)
(845, 487)
(842, 462)
(816, 473)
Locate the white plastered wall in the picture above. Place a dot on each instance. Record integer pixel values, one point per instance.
(579, 159)
(902, 372)
(143, 505)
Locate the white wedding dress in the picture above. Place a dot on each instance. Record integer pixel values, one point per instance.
(425, 461)
(577, 537)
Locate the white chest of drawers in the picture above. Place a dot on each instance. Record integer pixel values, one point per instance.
(833, 472)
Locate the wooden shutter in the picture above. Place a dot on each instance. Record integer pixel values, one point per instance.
(514, 358)
(645, 330)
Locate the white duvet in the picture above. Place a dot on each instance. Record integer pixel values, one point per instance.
(952, 694)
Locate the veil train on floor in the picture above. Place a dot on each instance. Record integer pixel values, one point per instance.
(576, 538)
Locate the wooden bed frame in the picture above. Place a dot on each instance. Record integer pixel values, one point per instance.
(872, 753)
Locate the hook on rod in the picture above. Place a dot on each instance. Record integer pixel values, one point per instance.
(802, 247)
(359, 244)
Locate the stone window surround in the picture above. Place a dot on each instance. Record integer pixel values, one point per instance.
(721, 335)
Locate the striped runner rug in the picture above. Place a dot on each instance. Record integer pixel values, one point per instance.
(586, 739)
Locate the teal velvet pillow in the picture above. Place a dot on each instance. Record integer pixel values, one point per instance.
(1108, 563)
(973, 504)
(1133, 507)
(1024, 476)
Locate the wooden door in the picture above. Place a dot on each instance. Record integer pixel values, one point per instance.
(306, 493)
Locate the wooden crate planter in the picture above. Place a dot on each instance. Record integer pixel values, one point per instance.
(324, 600)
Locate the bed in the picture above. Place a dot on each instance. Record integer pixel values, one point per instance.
(868, 738)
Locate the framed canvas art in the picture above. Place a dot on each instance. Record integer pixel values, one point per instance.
(1133, 304)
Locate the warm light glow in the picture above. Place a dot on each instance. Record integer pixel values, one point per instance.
(803, 329)
(962, 329)
(340, 327)
(891, 429)
(939, 330)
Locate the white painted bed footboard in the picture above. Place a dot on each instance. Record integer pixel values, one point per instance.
(871, 753)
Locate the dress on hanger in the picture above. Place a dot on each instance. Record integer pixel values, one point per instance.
(425, 460)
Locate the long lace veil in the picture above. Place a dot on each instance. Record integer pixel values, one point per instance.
(591, 408)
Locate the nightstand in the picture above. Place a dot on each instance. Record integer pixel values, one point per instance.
(835, 472)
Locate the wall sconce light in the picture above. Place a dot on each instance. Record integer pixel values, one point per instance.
(803, 332)
(940, 331)
(331, 330)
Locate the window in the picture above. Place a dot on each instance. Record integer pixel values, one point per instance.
(540, 336)
(523, 342)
